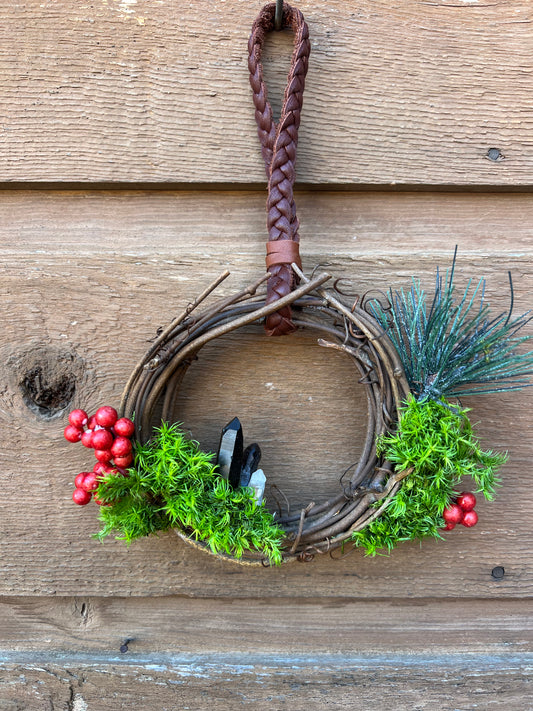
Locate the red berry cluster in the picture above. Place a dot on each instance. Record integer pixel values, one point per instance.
(461, 511)
(110, 437)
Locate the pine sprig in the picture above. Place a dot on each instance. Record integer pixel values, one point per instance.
(438, 442)
(174, 484)
(455, 347)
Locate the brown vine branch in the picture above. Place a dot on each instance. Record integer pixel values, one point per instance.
(319, 527)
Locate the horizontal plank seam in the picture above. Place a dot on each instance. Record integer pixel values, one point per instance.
(261, 187)
(277, 600)
(244, 663)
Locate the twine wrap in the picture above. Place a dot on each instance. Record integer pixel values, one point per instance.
(278, 148)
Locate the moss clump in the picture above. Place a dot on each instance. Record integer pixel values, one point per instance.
(173, 484)
(435, 439)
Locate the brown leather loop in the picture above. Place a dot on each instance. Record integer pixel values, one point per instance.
(278, 147)
(283, 251)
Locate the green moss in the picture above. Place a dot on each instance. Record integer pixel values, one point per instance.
(173, 484)
(437, 440)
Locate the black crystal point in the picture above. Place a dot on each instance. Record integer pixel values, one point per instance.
(229, 458)
(250, 462)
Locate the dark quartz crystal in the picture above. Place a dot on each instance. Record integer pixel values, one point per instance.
(229, 458)
(250, 462)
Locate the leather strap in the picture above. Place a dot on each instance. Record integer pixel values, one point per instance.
(278, 147)
(283, 251)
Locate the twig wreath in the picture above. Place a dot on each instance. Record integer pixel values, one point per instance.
(414, 358)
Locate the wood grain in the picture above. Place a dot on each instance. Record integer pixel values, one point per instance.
(467, 683)
(87, 279)
(432, 94)
(413, 93)
(231, 225)
(300, 626)
(265, 653)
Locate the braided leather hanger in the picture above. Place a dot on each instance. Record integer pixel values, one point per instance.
(278, 148)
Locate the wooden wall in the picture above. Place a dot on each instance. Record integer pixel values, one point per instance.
(130, 178)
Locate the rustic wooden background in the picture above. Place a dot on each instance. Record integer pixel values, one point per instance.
(131, 177)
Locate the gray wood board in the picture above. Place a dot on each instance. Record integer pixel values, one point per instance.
(459, 682)
(87, 279)
(416, 93)
(265, 626)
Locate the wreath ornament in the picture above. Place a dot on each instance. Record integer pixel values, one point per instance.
(319, 527)
(411, 358)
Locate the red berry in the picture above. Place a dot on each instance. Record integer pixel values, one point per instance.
(470, 519)
(124, 462)
(103, 455)
(100, 502)
(78, 481)
(102, 439)
(453, 514)
(121, 447)
(81, 497)
(108, 469)
(466, 501)
(106, 416)
(99, 468)
(72, 433)
(90, 483)
(449, 527)
(78, 418)
(124, 427)
(87, 438)
(91, 423)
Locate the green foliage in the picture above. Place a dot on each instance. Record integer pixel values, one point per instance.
(455, 347)
(437, 440)
(173, 484)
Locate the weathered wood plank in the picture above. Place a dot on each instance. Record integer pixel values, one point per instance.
(460, 682)
(398, 93)
(230, 225)
(87, 278)
(267, 626)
